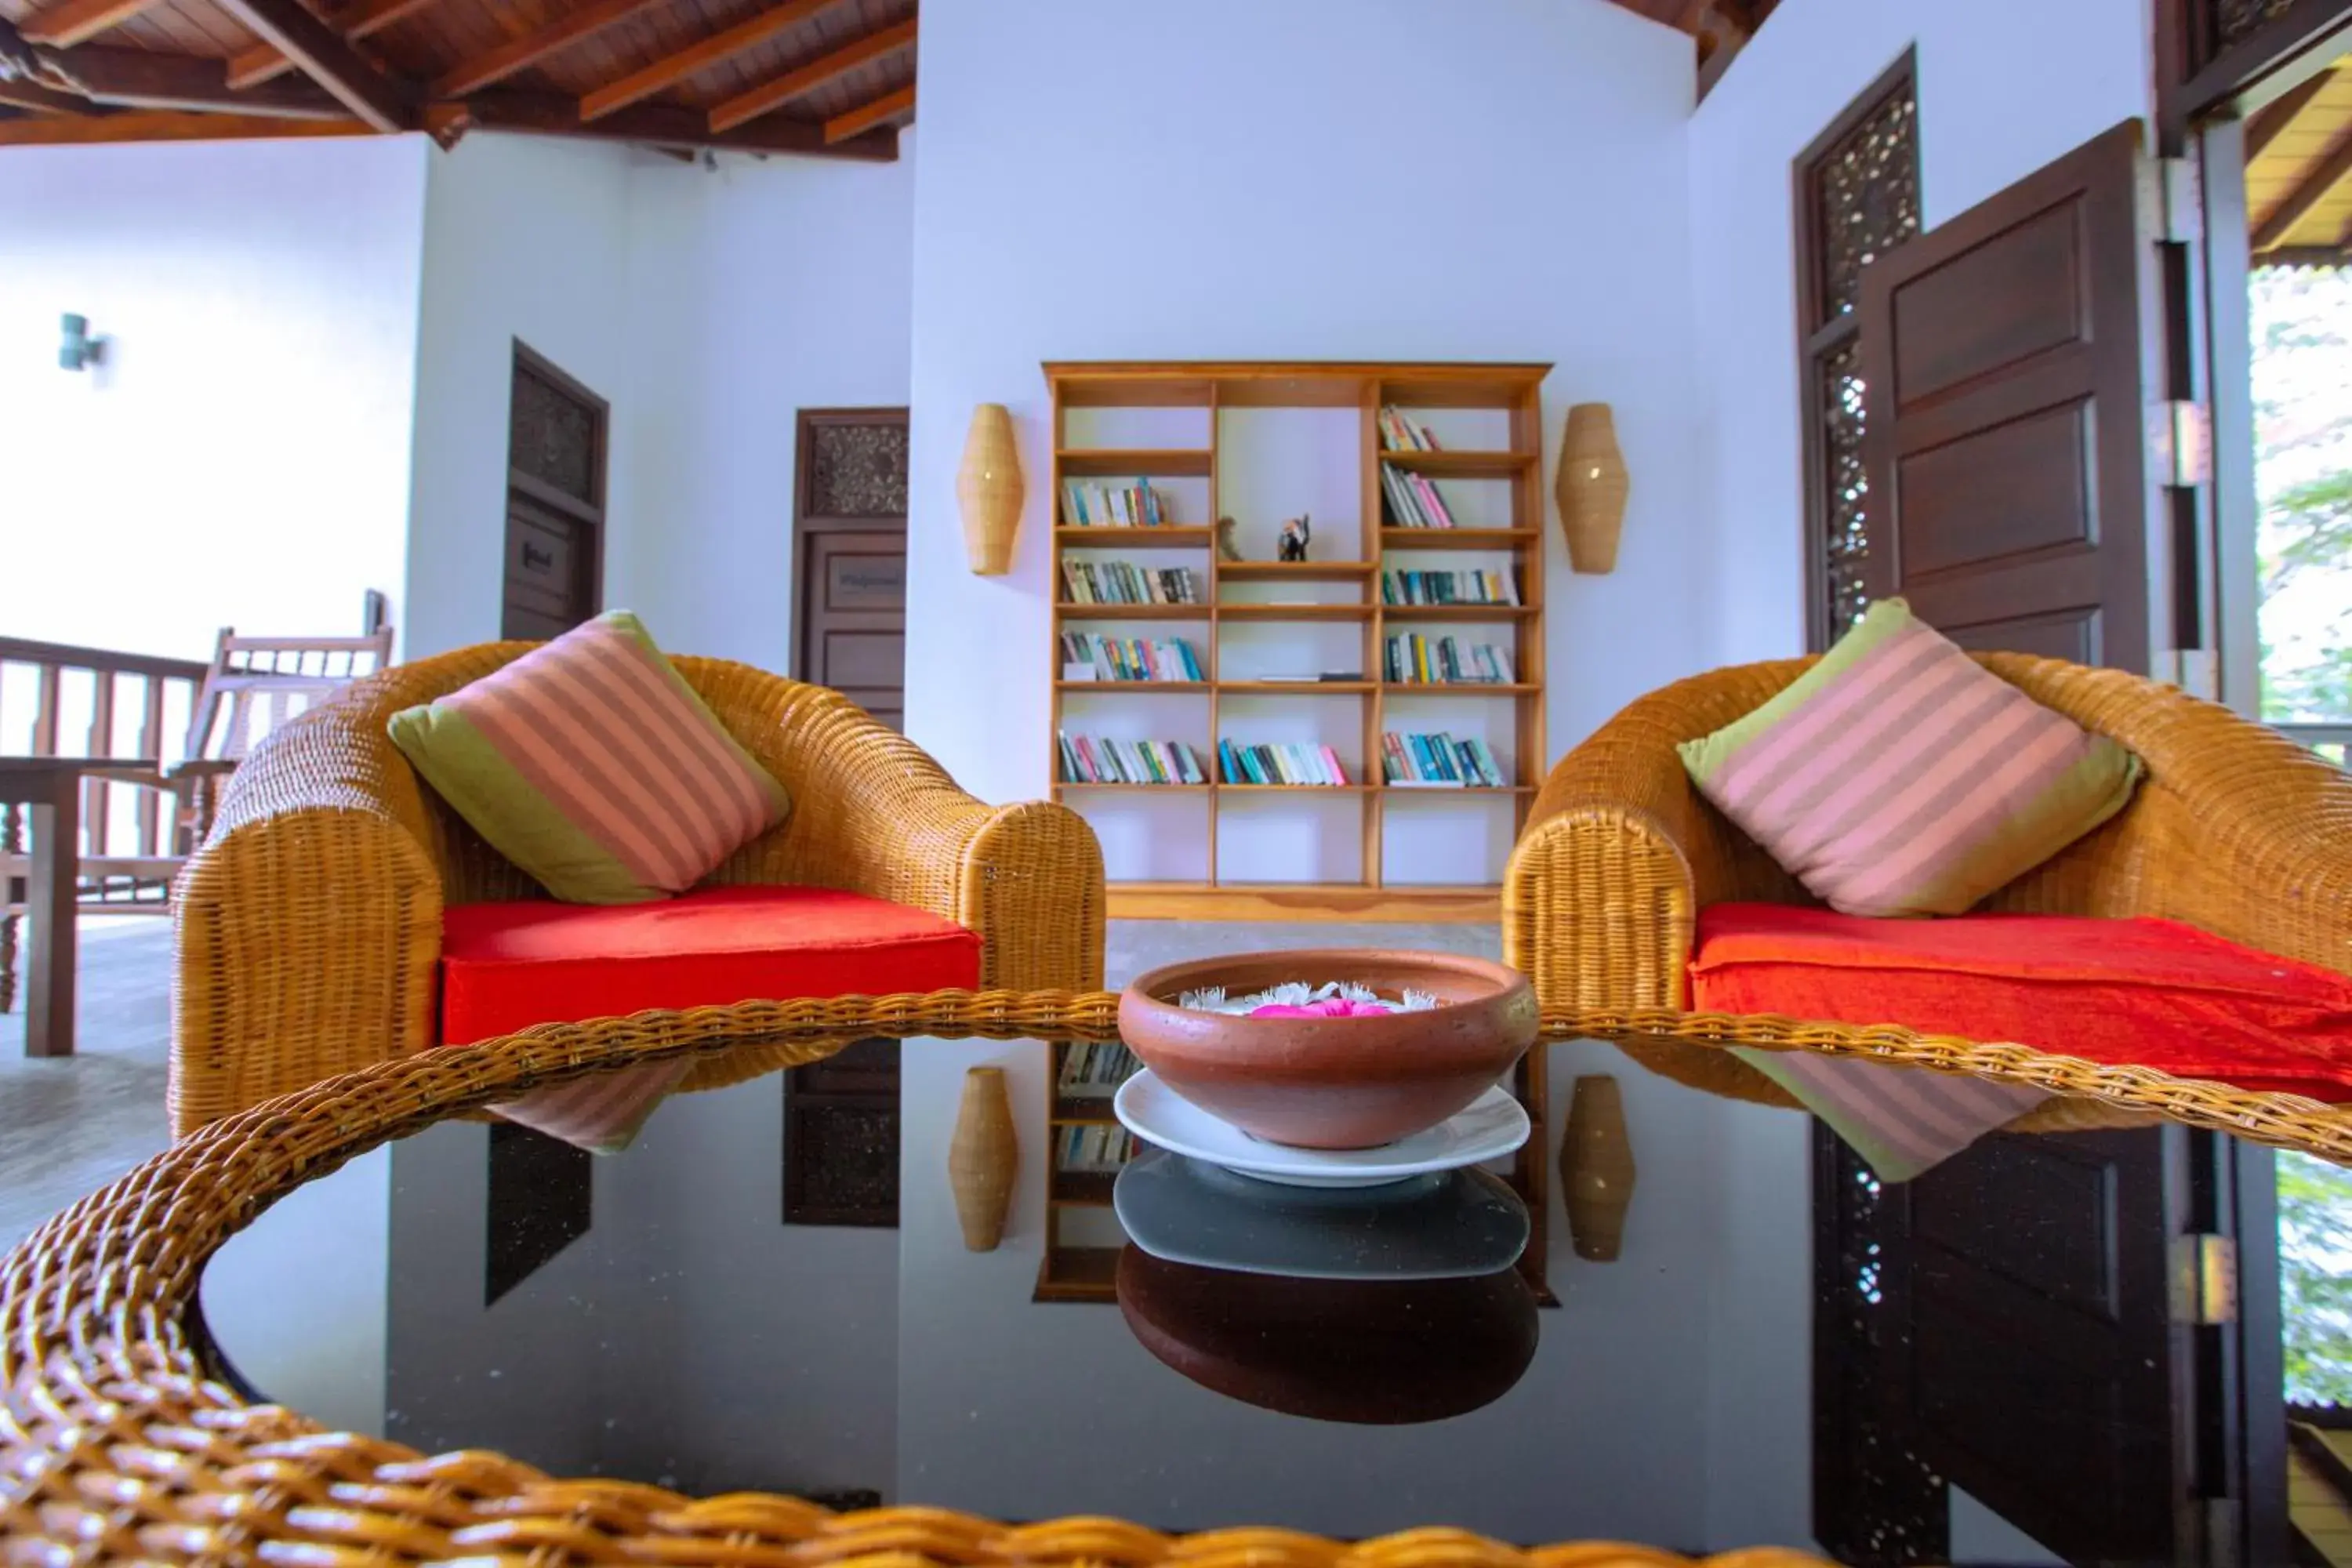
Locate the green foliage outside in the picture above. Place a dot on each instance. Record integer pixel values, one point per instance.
(2315, 1278)
(2303, 472)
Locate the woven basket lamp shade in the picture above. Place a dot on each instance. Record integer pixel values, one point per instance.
(1596, 1168)
(982, 1157)
(1591, 487)
(989, 490)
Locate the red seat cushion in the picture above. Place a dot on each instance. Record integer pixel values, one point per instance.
(2155, 993)
(509, 965)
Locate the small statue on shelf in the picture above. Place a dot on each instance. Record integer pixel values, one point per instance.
(1226, 548)
(1292, 544)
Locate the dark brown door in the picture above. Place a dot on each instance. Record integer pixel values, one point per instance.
(556, 427)
(2045, 1374)
(849, 529)
(2004, 355)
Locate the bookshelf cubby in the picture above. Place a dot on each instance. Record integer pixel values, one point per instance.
(1261, 442)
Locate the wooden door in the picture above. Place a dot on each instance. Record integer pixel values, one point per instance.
(554, 567)
(2004, 356)
(849, 529)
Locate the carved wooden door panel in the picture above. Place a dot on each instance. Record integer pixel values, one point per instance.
(2004, 354)
(850, 557)
(554, 566)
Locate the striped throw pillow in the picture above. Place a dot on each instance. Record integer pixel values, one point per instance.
(1898, 777)
(591, 763)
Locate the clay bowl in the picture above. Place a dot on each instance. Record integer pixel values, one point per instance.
(1377, 1352)
(1333, 1083)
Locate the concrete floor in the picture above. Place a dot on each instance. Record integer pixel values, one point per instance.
(68, 1126)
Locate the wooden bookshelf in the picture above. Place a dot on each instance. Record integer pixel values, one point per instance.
(1339, 587)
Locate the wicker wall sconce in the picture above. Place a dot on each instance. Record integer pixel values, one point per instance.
(1591, 486)
(982, 1158)
(989, 490)
(1596, 1168)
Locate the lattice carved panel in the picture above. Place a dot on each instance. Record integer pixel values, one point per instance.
(859, 470)
(1846, 482)
(1867, 199)
(2236, 20)
(552, 435)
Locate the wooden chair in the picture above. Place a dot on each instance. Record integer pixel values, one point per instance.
(251, 686)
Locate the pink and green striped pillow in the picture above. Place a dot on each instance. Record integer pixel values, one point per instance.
(1898, 777)
(591, 763)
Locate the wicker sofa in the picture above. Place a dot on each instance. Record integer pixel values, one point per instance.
(310, 924)
(2235, 829)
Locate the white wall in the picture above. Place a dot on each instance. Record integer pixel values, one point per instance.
(1325, 179)
(706, 305)
(242, 457)
(757, 288)
(2004, 85)
(524, 238)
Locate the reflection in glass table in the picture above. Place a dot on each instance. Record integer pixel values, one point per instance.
(1999, 1363)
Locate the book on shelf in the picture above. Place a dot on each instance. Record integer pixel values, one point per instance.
(1093, 1069)
(1327, 678)
(1137, 505)
(1414, 500)
(1478, 587)
(1438, 762)
(1410, 659)
(1131, 658)
(1124, 583)
(1098, 759)
(1299, 763)
(1093, 1150)
(1399, 434)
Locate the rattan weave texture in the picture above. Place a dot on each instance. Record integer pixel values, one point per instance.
(310, 924)
(2235, 829)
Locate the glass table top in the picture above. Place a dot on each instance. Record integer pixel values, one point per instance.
(2030, 1354)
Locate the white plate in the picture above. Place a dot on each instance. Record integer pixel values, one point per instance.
(1494, 1125)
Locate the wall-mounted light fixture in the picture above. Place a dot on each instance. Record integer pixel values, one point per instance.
(79, 351)
(989, 488)
(1592, 485)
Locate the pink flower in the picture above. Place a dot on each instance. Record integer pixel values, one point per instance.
(1333, 1008)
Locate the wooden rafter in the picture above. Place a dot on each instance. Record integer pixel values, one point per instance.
(866, 116)
(2316, 187)
(43, 99)
(265, 61)
(164, 125)
(2274, 118)
(535, 45)
(324, 55)
(656, 124)
(146, 79)
(70, 22)
(776, 93)
(671, 70)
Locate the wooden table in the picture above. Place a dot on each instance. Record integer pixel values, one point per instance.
(51, 787)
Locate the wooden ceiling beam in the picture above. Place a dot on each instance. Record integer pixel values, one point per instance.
(264, 62)
(719, 47)
(851, 123)
(647, 125)
(43, 99)
(376, 97)
(70, 22)
(521, 54)
(2316, 187)
(777, 91)
(2274, 116)
(144, 78)
(164, 125)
